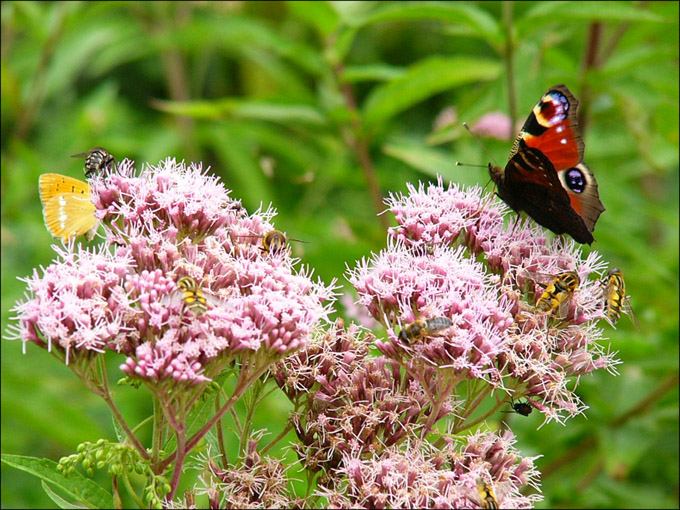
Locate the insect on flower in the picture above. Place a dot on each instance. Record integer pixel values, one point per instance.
(487, 495)
(558, 292)
(523, 408)
(96, 160)
(615, 300)
(421, 328)
(274, 241)
(67, 206)
(192, 295)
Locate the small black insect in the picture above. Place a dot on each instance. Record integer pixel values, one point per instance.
(96, 160)
(523, 408)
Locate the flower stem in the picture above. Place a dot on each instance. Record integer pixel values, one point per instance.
(442, 397)
(508, 59)
(181, 453)
(464, 426)
(131, 491)
(355, 138)
(278, 438)
(157, 434)
(481, 395)
(102, 389)
(246, 378)
(248, 423)
(117, 502)
(220, 435)
(590, 61)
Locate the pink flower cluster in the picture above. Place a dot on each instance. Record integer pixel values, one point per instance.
(417, 475)
(456, 260)
(78, 303)
(433, 215)
(400, 285)
(255, 482)
(349, 402)
(168, 222)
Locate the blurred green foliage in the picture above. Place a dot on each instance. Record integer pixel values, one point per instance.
(304, 104)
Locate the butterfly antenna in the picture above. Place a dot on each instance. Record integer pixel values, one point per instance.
(483, 147)
(460, 163)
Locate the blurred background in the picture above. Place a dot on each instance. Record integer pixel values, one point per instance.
(322, 109)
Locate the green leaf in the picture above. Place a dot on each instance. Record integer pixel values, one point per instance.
(58, 500)
(82, 489)
(578, 12)
(342, 44)
(633, 59)
(244, 109)
(376, 72)
(234, 34)
(477, 20)
(319, 14)
(422, 80)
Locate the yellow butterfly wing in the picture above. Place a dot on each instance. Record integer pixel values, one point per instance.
(67, 208)
(51, 185)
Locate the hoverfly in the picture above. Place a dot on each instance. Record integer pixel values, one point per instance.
(420, 328)
(558, 292)
(96, 160)
(192, 295)
(274, 241)
(487, 495)
(615, 300)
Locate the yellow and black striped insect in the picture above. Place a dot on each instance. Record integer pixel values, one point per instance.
(487, 495)
(97, 160)
(274, 241)
(558, 292)
(192, 295)
(421, 328)
(615, 300)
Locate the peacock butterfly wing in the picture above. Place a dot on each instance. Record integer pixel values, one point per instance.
(545, 175)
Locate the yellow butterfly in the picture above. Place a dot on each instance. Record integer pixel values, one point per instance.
(67, 207)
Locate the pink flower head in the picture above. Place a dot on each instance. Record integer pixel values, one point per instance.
(180, 198)
(421, 476)
(421, 277)
(434, 215)
(79, 302)
(399, 286)
(169, 222)
(349, 401)
(253, 482)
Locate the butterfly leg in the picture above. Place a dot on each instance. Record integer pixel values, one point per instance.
(514, 225)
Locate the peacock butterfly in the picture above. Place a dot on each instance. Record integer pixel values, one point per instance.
(546, 176)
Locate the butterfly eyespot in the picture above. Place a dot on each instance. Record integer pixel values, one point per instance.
(554, 108)
(576, 180)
